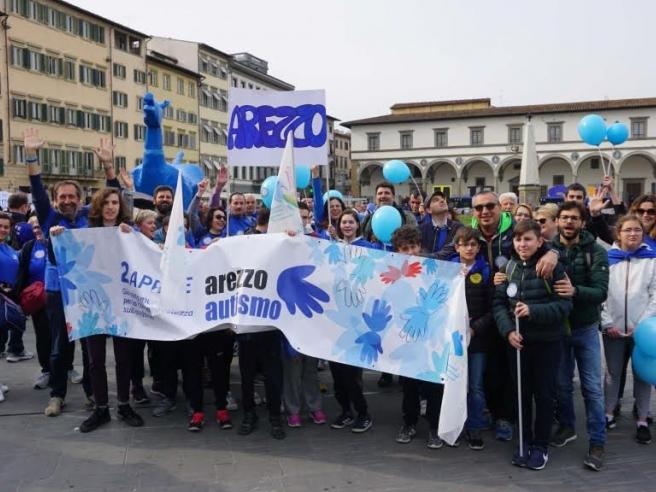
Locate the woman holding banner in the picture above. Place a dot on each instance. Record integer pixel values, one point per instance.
(108, 210)
(326, 215)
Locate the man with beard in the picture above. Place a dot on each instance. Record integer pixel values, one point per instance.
(593, 220)
(587, 286)
(66, 212)
(163, 202)
(239, 219)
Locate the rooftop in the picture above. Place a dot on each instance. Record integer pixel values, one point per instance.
(574, 107)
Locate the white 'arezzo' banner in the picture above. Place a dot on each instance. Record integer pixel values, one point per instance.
(389, 312)
(260, 122)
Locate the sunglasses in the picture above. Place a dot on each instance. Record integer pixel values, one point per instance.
(541, 221)
(487, 206)
(219, 217)
(648, 211)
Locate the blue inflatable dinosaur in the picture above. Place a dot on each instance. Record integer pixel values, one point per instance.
(154, 170)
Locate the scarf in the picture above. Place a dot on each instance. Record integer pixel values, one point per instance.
(617, 255)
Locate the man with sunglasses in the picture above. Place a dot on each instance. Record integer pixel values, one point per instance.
(587, 286)
(496, 231)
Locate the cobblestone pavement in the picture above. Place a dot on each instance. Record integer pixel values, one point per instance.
(48, 454)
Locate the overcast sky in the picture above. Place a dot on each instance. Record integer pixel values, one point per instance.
(370, 54)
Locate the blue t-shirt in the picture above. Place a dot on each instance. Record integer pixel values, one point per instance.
(238, 225)
(207, 239)
(8, 265)
(37, 267)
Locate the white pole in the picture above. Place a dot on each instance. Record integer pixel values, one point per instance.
(519, 394)
(330, 220)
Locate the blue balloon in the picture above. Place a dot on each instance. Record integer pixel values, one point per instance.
(645, 336)
(302, 176)
(617, 133)
(267, 190)
(644, 366)
(332, 194)
(385, 221)
(592, 129)
(396, 171)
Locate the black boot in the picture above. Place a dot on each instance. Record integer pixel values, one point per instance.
(99, 417)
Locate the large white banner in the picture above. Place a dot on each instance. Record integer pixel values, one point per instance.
(260, 121)
(385, 311)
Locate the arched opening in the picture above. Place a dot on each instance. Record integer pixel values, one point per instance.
(370, 175)
(508, 176)
(637, 173)
(477, 175)
(555, 170)
(442, 175)
(590, 172)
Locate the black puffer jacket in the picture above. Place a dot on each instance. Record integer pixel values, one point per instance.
(548, 311)
(479, 292)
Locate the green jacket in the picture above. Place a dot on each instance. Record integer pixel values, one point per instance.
(587, 267)
(548, 311)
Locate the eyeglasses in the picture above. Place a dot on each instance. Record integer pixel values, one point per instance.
(648, 211)
(569, 218)
(637, 230)
(219, 217)
(541, 221)
(487, 206)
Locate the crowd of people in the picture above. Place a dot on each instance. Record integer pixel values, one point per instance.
(575, 279)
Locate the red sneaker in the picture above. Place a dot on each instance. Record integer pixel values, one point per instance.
(223, 419)
(197, 421)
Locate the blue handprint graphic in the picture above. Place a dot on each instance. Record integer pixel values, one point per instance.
(430, 266)
(334, 253)
(427, 304)
(364, 269)
(88, 323)
(297, 292)
(377, 321)
(458, 349)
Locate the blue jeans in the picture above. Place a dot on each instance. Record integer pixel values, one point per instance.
(584, 348)
(476, 392)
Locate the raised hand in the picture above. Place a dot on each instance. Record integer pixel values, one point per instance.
(597, 202)
(126, 179)
(380, 316)
(297, 292)
(371, 347)
(31, 142)
(105, 152)
(221, 177)
(315, 173)
(202, 186)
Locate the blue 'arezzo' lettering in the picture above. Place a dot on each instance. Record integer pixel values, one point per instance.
(268, 126)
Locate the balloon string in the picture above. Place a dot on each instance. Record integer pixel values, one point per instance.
(416, 186)
(603, 161)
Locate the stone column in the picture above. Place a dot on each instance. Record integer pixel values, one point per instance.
(530, 194)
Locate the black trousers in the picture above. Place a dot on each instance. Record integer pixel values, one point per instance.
(347, 381)
(539, 376)
(264, 348)
(61, 351)
(43, 339)
(498, 382)
(411, 406)
(215, 347)
(137, 369)
(97, 347)
(168, 356)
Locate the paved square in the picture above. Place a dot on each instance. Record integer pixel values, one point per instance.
(47, 454)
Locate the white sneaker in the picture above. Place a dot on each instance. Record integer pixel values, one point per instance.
(24, 355)
(41, 382)
(74, 376)
(231, 403)
(4, 388)
(2, 396)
